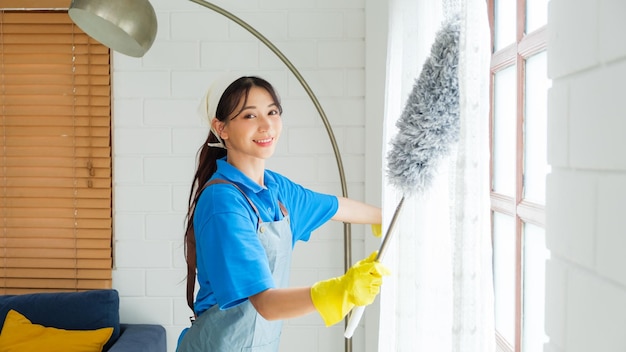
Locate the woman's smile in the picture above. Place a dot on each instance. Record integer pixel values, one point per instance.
(264, 142)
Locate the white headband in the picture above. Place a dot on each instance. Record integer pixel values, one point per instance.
(208, 105)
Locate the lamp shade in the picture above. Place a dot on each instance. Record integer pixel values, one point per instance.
(126, 26)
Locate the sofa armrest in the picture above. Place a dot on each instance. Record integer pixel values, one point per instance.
(140, 338)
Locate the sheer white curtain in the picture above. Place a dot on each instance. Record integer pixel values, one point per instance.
(440, 297)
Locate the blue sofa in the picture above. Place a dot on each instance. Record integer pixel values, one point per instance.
(86, 310)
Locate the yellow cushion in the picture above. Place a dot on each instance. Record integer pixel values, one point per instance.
(19, 334)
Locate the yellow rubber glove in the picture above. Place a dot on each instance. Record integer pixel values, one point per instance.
(377, 230)
(335, 297)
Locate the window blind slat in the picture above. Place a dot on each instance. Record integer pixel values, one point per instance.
(85, 53)
(26, 213)
(66, 192)
(58, 253)
(59, 273)
(26, 232)
(29, 18)
(58, 263)
(39, 121)
(65, 202)
(95, 183)
(80, 146)
(28, 285)
(21, 79)
(57, 162)
(56, 243)
(27, 4)
(59, 223)
(41, 86)
(56, 111)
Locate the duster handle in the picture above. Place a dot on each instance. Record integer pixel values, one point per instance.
(357, 312)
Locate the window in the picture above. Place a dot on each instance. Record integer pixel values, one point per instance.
(55, 154)
(519, 87)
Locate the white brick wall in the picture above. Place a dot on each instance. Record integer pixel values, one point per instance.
(157, 133)
(586, 280)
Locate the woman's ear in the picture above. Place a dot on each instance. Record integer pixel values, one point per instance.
(218, 127)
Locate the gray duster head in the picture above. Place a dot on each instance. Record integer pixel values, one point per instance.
(429, 124)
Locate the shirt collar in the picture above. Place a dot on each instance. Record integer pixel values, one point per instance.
(228, 172)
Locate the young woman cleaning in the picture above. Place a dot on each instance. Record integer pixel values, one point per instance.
(242, 224)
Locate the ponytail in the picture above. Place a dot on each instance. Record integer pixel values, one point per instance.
(207, 165)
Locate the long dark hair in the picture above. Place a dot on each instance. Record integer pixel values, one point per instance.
(207, 156)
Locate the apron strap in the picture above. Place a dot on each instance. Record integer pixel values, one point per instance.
(256, 211)
(191, 241)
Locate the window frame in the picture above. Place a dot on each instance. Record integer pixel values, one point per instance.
(523, 211)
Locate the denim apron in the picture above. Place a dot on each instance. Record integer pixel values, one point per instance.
(241, 328)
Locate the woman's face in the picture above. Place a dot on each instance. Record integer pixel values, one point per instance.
(254, 131)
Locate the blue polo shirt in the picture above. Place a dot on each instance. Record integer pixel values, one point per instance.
(231, 262)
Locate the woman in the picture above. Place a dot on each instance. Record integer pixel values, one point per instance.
(243, 222)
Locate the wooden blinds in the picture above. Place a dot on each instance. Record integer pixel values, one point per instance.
(55, 155)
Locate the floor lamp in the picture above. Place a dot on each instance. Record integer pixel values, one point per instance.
(130, 26)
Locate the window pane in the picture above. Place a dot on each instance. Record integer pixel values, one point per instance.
(504, 148)
(535, 120)
(535, 256)
(504, 274)
(505, 23)
(536, 14)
